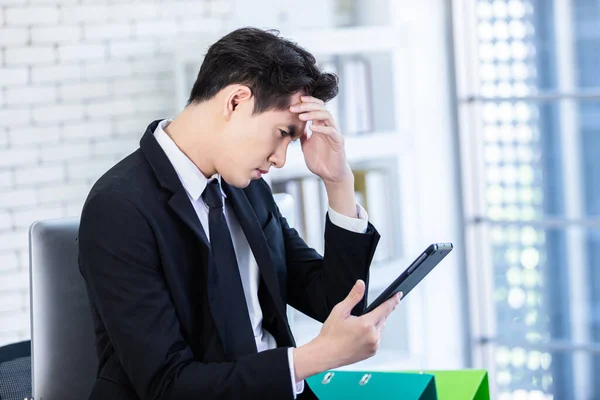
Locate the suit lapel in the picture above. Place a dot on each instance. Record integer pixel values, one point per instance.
(168, 179)
(180, 203)
(253, 232)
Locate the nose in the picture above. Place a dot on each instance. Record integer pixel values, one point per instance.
(277, 159)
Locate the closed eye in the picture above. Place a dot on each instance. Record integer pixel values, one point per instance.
(287, 134)
(291, 132)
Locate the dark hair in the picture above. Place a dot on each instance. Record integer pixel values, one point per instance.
(274, 68)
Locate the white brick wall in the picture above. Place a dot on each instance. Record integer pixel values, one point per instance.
(80, 91)
(6, 181)
(153, 28)
(80, 52)
(13, 240)
(79, 82)
(11, 116)
(9, 260)
(13, 36)
(38, 55)
(60, 34)
(13, 280)
(18, 198)
(130, 12)
(68, 192)
(31, 95)
(22, 219)
(4, 139)
(5, 223)
(13, 76)
(111, 107)
(24, 137)
(18, 319)
(128, 48)
(82, 130)
(108, 31)
(66, 151)
(17, 158)
(53, 113)
(36, 175)
(11, 302)
(107, 69)
(19, 16)
(56, 73)
(86, 13)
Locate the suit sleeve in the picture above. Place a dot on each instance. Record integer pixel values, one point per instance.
(317, 283)
(121, 265)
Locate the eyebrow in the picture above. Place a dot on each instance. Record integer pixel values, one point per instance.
(292, 132)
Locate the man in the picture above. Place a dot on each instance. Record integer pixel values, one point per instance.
(188, 262)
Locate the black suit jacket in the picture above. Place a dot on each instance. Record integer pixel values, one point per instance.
(143, 254)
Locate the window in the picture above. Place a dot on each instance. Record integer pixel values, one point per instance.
(529, 102)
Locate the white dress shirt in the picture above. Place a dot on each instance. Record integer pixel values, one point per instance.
(194, 183)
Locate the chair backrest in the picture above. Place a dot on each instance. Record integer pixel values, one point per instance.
(63, 356)
(62, 336)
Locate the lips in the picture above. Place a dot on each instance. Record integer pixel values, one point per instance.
(262, 171)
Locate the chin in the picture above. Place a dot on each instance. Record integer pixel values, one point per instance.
(244, 184)
(239, 183)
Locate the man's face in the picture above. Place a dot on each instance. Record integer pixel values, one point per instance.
(251, 143)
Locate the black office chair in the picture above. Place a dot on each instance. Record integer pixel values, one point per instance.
(15, 371)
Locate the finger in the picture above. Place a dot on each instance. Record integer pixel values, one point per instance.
(324, 129)
(319, 115)
(381, 324)
(385, 309)
(353, 298)
(304, 107)
(329, 131)
(311, 99)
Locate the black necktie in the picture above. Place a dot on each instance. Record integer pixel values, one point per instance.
(228, 303)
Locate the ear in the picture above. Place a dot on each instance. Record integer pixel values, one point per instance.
(237, 95)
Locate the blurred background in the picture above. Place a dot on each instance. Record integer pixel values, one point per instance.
(475, 122)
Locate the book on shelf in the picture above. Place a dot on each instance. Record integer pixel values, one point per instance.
(324, 200)
(292, 187)
(313, 215)
(355, 81)
(377, 191)
(372, 191)
(333, 105)
(352, 107)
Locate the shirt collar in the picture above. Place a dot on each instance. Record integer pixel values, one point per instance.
(193, 181)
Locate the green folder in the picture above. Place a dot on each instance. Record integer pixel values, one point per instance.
(469, 384)
(373, 385)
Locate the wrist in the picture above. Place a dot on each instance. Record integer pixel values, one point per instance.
(311, 359)
(341, 196)
(343, 180)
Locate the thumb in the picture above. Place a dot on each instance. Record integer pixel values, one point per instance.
(354, 297)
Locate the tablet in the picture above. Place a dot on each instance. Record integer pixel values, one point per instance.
(414, 273)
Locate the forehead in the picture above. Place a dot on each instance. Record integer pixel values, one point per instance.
(287, 120)
(286, 117)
